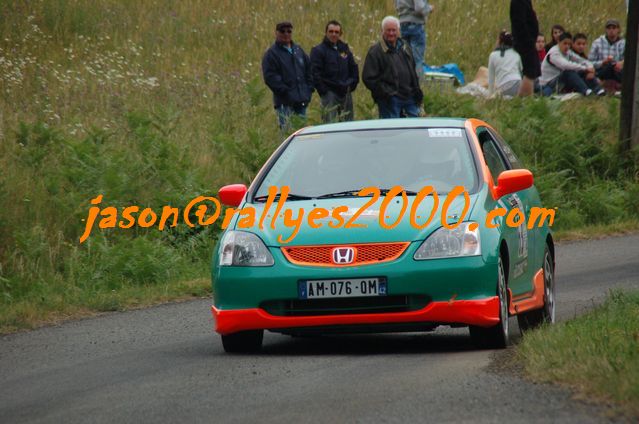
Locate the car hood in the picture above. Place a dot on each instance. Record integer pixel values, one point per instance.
(301, 233)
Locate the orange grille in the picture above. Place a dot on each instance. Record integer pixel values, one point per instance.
(365, 254)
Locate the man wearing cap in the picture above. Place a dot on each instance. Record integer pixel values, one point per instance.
(335, 74)
(389, 73)
(287, 72)
(606, 53)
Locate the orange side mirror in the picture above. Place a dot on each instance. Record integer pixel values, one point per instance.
(512, 181)
(232, 195)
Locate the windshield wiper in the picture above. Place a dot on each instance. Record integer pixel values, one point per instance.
(354, 193)
(277, 196)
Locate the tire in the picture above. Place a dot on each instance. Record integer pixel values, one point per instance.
(546, 314)
(243, 341)
(495, 337)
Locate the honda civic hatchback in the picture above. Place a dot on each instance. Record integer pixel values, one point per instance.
(384, 226)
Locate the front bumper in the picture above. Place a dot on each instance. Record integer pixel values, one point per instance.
(481, 312)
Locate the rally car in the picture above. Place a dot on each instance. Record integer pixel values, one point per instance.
(385, 225)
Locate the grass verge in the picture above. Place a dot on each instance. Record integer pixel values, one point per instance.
(30, 313)
(589, 232)
(597, 354)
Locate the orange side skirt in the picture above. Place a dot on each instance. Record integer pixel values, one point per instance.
(529, 301)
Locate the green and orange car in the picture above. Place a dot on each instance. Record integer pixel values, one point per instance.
(385, 225)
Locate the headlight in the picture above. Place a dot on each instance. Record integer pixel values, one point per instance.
(445, 243)
(239, 248)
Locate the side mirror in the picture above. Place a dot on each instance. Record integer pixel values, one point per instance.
(512, 181)
(232, 195)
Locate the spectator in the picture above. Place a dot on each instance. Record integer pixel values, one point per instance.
(389, 73)
(563, 69)
(525, 29)
(579, 43)
(539, 45)
(412, 17)
(335, 74)
(504, 67)
(607, 53)
(555, 32)
(287, 72)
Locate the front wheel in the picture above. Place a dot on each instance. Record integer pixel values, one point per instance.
(495, 337)
(243, 341)
(546, 314)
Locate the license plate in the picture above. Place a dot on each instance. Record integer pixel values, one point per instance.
(351, 287)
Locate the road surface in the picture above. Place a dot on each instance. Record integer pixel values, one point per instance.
(163, 364)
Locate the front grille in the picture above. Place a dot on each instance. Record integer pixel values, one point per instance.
(349, 305)
(365, 254)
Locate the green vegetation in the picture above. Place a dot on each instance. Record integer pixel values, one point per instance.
(153, 103)
(597, 353)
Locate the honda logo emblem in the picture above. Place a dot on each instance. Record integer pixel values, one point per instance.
(343, 255)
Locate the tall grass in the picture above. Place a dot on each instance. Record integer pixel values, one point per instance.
(154, 102)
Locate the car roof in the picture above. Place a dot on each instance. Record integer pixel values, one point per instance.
(377, 124)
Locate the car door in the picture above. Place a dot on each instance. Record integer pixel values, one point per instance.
(520, 271)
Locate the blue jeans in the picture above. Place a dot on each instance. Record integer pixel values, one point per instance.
(285, 113)
(394, 107)
(415, 35)
(573, 81)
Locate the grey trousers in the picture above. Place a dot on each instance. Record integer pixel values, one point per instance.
(336, 108)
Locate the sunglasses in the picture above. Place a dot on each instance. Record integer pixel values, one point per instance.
(285, 31)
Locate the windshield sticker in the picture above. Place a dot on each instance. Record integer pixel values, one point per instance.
(445, 132)
(308, 137)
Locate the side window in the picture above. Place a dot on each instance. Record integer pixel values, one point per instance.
(492, 156)
(505, 148)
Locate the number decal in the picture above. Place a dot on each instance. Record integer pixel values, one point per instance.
(522, 231)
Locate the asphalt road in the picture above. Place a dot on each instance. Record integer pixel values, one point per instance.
(163, 364)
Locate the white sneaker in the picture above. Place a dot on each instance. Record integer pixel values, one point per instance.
(588, 92)
(601, 92)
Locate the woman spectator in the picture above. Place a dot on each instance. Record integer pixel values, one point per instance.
(539, 45)
(563, 69)
(504, 67)
(555, 32)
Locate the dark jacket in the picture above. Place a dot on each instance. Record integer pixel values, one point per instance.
(334, 68)
(525, 27)
(380, 76)
(288, 75)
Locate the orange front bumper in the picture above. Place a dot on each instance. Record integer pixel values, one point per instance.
(484, 313)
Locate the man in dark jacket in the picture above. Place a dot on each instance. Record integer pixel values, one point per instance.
(335, 74)
(389, 73)
(287, 72)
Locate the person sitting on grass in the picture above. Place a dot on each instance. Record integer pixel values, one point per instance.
(564, 70)
(555, 32)
(504, 67)
(607, 52)
(539, 45)
(579, 43)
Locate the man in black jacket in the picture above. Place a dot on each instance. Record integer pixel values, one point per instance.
(335, 74)
(287, 72)
(389, 73)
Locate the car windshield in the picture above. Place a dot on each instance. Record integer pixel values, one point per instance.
(322, 164)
